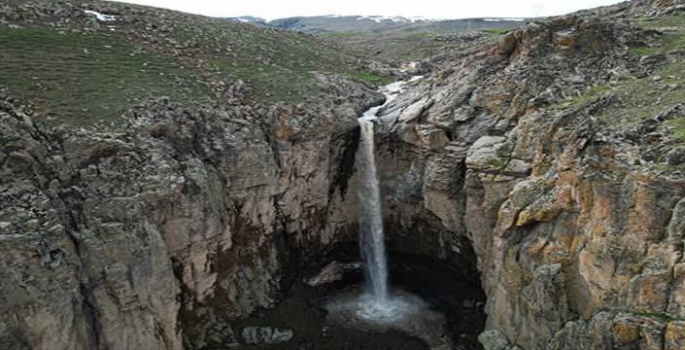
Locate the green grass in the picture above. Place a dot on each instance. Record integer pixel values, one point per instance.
(678, 128)
(645, 98)
(340, 34)
(662, 21)
(88, 78)
(665, 43)
(396, 47)
(277, 64)
(644, 50)
(660, 317)
(85, 79)
(369, 77)
(588, 96)
(496, 31)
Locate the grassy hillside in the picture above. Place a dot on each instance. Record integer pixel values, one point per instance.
(87, 70)
(402, 47)
(89, 76)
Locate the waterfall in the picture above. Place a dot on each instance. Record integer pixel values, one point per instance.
(377, 303)
(372, 237)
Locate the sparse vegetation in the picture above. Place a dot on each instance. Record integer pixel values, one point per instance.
(673, 39)
(84, 78)
(678, 126)
(589, 95)
(647, 97)
(661, 317)
(369, 77)
(496, 31)
(663, 21)
(665, 43)
(397, 47)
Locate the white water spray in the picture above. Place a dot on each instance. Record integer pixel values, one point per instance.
(371, 235)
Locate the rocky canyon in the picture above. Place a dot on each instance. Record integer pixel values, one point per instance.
(532, 182)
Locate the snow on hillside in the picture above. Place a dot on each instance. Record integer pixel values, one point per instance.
(397, 19)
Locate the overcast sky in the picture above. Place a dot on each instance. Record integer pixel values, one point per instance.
(271, 9)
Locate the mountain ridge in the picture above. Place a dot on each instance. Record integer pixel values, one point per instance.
(377, 23)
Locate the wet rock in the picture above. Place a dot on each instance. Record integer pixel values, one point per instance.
(333, 272)
(266, 335)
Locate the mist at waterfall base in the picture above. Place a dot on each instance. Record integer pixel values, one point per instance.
(377, 307)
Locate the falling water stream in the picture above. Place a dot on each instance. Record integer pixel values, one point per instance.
(377, 307)
(377, 303)
(371, 235)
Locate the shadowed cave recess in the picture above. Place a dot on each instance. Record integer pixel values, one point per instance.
(450, 288)
(435, 298)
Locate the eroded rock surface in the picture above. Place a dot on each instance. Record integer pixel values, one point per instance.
(152, 237)
(577, 234)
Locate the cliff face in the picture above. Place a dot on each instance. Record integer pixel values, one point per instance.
(575, 219)
(554, 153)
(167, 231)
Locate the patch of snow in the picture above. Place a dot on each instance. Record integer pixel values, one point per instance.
(101, 17)
(424, 19)
(398, 19)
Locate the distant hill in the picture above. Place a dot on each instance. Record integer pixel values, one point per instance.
(392, 39)
(380, 24)
(250, 19)
(377, 24)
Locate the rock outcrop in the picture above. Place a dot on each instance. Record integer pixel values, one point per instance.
(577, 236)
(155, 236)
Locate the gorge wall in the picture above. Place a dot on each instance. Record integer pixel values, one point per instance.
(577, 230)
(161, 234)
(170, 229)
